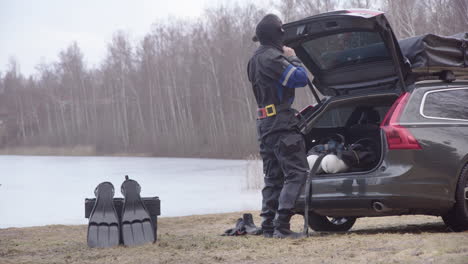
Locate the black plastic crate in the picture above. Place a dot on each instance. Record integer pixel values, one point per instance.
(153, 204)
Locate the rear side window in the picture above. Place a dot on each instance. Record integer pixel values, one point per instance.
(345, 49)
(446, 104)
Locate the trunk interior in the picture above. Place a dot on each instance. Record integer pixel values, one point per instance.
(356, 119)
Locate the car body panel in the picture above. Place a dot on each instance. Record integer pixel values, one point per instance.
(405, 181)
(444, 140)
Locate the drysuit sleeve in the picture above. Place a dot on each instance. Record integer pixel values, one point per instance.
(289, 71)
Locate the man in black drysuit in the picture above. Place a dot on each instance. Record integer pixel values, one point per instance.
(274, 72)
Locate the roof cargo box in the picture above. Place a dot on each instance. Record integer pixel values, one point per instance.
(431, 54)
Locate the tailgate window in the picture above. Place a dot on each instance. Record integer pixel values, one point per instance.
(347, 115)
(345, 49)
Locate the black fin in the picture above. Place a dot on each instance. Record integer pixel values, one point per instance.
(137, 228)
(103, 227)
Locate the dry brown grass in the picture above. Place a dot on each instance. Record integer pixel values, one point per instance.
(195, 239)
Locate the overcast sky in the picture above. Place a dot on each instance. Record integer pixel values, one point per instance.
(34, 31)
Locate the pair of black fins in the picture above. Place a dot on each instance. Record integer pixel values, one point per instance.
(135, 226)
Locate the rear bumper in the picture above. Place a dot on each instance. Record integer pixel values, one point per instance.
(361, 206)
(402, 188)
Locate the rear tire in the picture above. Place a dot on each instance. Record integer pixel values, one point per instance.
(457, 218)
(321, 223)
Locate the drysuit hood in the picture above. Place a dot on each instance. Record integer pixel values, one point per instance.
(269, 31)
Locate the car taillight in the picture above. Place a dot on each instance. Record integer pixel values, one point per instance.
(306, 110)
(398, 137)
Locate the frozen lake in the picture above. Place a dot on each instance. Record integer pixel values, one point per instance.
(37, 190)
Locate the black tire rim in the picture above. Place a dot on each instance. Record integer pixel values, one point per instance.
(466, 193)
(338, 220)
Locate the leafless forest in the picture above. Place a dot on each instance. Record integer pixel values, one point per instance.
(182, 89)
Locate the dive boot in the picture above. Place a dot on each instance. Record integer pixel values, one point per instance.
(137, 227)
(103, 227)
(283, 228)
(283, 232)
(249, 225)
(267, 227)
(238, 230)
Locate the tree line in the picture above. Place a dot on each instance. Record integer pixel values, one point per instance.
(182, 90)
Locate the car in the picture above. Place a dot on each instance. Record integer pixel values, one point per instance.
(418, 116)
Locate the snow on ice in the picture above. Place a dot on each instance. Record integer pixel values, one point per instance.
(37, 190)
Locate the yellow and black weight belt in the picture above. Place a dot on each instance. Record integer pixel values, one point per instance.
(271, 110)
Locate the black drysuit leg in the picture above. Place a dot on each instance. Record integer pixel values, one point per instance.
(285, 167)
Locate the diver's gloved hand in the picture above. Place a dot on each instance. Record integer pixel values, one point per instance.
(288, 52)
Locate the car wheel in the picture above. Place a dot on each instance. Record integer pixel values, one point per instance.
(322, 223)
(457, 218)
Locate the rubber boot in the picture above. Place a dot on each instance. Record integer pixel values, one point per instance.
(249, 225)
(283, 228)
(267, 227)
(238, 230)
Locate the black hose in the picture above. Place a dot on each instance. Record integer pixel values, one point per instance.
(311, 87)
(308, 188)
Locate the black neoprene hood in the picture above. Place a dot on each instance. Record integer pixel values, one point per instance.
(269, 31)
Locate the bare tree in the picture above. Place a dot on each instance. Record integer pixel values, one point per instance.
(182, 90)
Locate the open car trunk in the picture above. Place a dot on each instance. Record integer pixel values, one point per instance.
(349, 52)
(356, 51)
(357, 120)
(355, 59)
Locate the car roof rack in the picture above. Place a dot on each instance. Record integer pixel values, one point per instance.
(445, 75)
